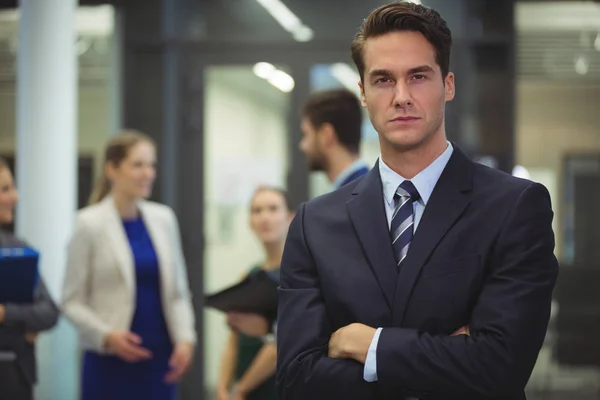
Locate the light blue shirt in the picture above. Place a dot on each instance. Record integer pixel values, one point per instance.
(424, 181)
(355, 166)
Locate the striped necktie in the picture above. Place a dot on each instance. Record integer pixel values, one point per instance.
(401, 228)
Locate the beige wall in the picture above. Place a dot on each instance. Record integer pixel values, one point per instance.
(553, 120)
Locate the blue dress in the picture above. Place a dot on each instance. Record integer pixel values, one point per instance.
(109, 377)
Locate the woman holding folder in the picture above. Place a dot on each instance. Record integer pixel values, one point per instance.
(248, 363)
(19, 323)
(125, 287)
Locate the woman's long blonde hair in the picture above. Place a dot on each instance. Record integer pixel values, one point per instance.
(116, 151)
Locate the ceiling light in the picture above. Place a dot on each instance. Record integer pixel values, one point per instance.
(303, 34)
(581, 65)
(263, 69)
(276, 77)
(281, 81)
(287, 19)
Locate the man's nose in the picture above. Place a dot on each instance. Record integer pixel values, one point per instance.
(402, 97)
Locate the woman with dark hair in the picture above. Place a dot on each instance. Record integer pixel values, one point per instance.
(19, 323)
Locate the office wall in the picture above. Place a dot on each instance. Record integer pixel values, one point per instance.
(246, 143)
(93, 122)
(553, 120)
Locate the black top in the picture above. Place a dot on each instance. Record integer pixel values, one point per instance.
(41, 315)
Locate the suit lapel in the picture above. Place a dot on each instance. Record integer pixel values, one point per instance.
(119, 242)
(367, 213)
(160, 241)
(449, 199)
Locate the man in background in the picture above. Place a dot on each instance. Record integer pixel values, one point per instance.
(331, 134)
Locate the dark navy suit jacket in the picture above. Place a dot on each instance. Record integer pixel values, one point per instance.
(482, 256)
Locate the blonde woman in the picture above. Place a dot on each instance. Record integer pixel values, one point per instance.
(126, 288)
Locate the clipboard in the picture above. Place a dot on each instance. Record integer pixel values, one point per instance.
(256, 294)
(19, 275)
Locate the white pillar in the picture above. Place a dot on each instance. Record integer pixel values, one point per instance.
(46, 167)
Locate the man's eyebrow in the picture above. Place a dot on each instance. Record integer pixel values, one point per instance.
(420, 68)
(414, 70)
(380, 72)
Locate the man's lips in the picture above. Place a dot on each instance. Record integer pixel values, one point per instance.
(404, 119)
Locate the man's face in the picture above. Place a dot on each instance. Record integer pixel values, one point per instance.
(403, 90)
(311, 146)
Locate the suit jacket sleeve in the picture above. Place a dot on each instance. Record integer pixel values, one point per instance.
(303, 369)
(41, 315)
(182, 308)
(508, 323)
(74, 294)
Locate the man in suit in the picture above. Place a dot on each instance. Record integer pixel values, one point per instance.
(331, 133)
(429, 277)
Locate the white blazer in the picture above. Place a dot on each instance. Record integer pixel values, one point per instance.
(99, 287)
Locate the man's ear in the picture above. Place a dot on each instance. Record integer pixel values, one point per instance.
(326, 135)
(363, 99)
(449, 85)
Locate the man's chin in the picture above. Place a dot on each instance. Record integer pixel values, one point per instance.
(405, 144)
(406, 141)
(316, 168)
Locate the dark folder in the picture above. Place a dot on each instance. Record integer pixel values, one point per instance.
(256, 294)
(18, 274)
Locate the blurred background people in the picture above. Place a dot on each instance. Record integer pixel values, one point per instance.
(331, 134)
(125, 287)
(19, 323)
(248, 361)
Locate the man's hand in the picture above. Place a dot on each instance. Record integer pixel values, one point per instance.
(351, 341)
(462, 331)
(247, 323)
(180, 362)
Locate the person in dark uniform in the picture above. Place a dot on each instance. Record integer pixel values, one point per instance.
(19, 323)
(248, 361)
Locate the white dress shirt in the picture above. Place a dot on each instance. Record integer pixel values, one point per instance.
(425, 182)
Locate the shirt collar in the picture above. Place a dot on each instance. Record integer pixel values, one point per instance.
(352, 168)
(424, 181)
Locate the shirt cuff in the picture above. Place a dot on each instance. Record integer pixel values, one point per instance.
(271, 337)
(370, 371)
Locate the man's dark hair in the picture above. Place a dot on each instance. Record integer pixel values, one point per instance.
(340, 108)
(400, 17)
